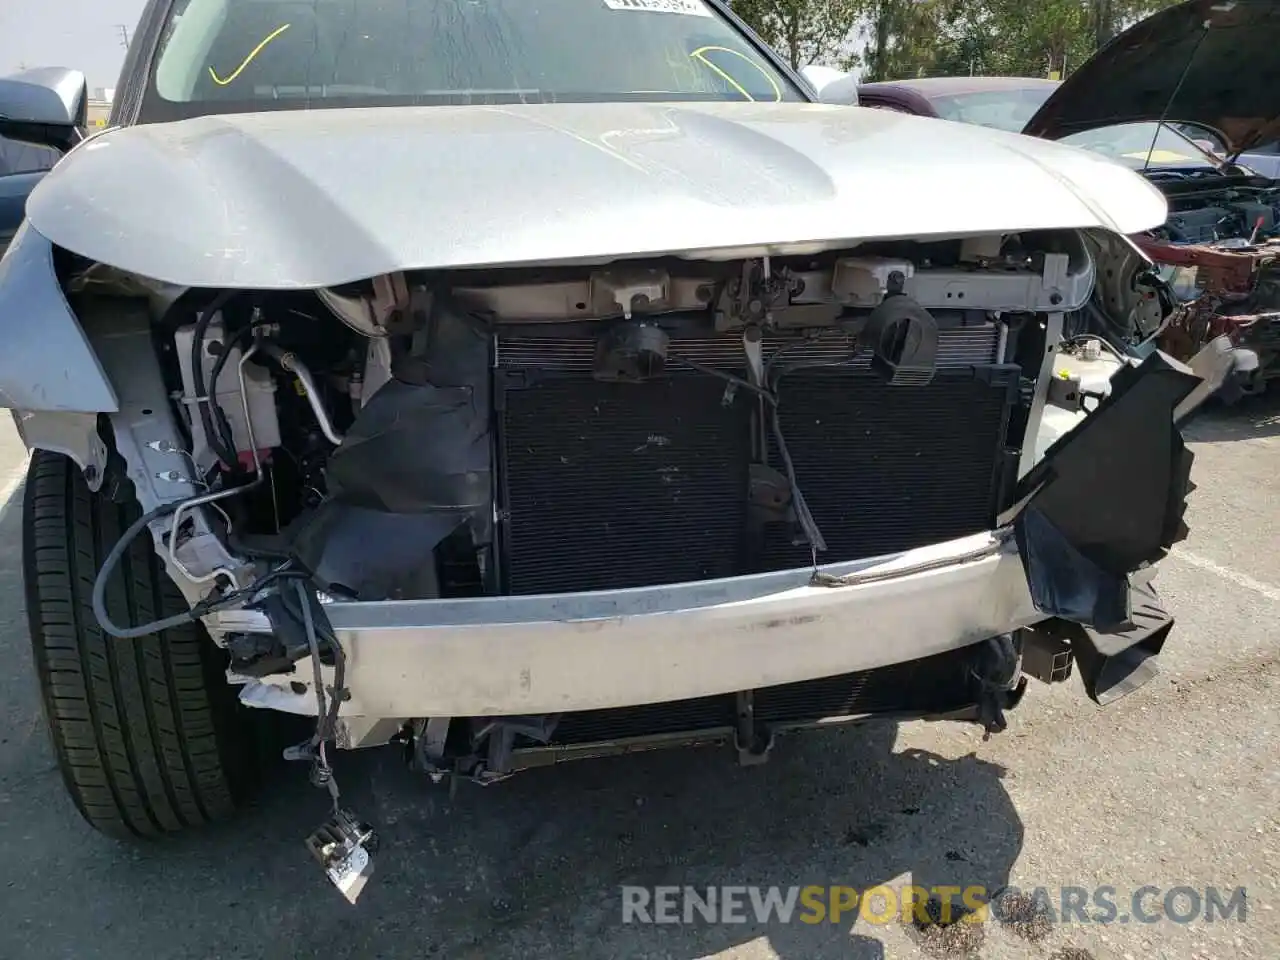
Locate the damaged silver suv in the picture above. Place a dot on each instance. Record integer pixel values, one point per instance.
(507, 400)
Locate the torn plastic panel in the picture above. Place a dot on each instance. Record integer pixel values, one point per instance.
(1106, 501)
(415, 448)
(414, 467)
(1108, 498)
(1114, 663)
(368, 554)
(1063, 580)
(998, 681)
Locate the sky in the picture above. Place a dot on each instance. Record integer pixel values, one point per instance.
(81, 34)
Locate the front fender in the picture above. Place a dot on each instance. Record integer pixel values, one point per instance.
(46, 361)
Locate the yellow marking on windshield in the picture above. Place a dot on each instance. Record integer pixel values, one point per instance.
(249, 59)
(699, 54)
(1162, 156)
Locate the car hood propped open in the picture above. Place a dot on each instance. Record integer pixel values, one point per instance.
(1227, 49)
(317, 198)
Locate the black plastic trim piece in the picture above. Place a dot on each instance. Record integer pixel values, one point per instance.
(1108, 498)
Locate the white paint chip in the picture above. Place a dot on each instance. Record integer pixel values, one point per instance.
(689, 8)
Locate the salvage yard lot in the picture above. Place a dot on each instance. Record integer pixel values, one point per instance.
(1175, 786)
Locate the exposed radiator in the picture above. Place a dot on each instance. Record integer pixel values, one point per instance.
(890, 468)
(617, 485)
(621, 485)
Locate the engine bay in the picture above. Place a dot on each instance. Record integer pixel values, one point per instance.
(1208, 215)
(418, 437)
(1217, 252)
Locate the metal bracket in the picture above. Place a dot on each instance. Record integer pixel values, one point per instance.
(752, 740)
(1056, 289)
(357, 733)
(1035, 416)
(1046, 657)
(147, 437)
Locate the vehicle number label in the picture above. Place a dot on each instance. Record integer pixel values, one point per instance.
(690, 8)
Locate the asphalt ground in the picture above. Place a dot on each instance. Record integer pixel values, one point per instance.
(1176, 786)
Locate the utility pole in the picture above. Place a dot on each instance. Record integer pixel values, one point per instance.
(124, 35)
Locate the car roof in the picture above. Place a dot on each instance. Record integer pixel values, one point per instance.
(950, 86)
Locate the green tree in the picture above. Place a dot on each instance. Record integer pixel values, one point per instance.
(909, 38)
(1040, 37)
(966, 42)
(1109, 17)
(904, 36)
(804, 31)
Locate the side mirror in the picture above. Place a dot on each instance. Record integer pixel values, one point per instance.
(832, 86)
(47, 107)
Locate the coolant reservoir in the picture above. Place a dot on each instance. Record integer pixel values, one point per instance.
(1095, 368)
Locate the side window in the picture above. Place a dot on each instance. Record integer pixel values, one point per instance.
(23, 158)
(1203, 138)
(891, 107)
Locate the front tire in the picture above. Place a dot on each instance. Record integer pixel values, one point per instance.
(148, 735)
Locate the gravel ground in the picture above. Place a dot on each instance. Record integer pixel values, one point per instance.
(1174, 786)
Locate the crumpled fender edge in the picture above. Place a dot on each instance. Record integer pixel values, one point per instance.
(46, 361)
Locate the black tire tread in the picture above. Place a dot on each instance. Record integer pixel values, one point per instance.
(145, 731)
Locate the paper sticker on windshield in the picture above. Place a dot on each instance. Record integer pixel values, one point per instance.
(690, 8)
(1163, 156)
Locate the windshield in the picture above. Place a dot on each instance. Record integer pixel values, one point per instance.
(1131, 143)
(1127, 143)
(219, 56)
(1009, 109)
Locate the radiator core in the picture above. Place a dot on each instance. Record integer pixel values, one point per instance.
(607, 485)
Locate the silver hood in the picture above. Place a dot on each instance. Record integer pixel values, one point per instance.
(318, 198)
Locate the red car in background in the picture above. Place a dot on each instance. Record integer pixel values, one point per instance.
(1176, 98)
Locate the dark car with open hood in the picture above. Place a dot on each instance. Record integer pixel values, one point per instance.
(1187, 97)
(432, 372)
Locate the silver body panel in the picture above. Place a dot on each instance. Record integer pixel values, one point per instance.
(302, 199)
(46, 361)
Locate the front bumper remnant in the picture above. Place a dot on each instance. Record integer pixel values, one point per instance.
(512, 656)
